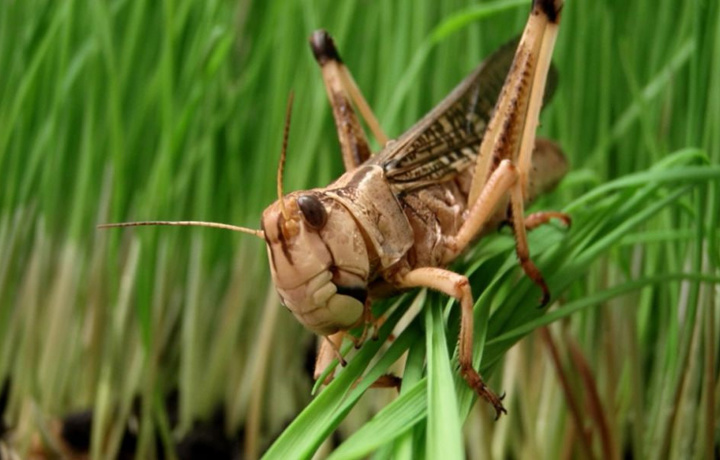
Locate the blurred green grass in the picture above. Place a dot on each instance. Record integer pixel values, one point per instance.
(120, 110)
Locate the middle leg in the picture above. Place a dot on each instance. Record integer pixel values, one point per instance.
(457, 286)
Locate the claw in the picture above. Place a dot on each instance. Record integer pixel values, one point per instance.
(483, 391)
(499, 410)
(545, 298)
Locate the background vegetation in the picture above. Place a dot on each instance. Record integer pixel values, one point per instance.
(131, 110)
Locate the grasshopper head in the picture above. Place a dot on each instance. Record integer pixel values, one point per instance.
(318, 259)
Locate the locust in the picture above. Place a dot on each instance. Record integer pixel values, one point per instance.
(396, 219)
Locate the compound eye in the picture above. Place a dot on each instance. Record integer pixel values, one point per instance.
(313, 211)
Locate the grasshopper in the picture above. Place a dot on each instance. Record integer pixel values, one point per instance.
(396, 219)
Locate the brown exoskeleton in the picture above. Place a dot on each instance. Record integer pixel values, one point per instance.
(395, 219)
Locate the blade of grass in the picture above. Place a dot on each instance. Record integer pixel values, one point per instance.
(443, 430)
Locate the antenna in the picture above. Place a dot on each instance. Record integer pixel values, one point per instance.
(281, 166)
(235, 228)
(186, 223)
